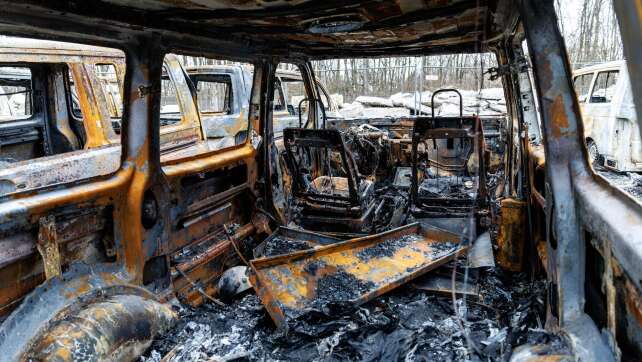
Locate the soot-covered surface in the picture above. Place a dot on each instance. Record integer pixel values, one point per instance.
(405, 324)
(629, 182)
(328, 284)
(283, 245)
(387, 248)
(448, 186)
(340, 286)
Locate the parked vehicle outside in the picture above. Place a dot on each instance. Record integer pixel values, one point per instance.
(608, 112)
(223, 93)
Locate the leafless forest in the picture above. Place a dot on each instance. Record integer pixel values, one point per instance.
(591, 31)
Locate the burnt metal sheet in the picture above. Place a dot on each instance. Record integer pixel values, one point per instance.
(106, 329)
(318, 28)
(286, 240)
(443, 285)
(351, 272)
(481, 253)
(89, 308)
(512, 234)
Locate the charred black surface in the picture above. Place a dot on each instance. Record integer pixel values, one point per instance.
(448, 186)
(255, 28)
(313, 267)
(340, 286)
(404, 324)
(387, 248)
(283, 245)
(335, 295)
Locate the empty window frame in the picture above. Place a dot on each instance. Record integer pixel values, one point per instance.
(108, 78)
(582, 85)
(605, 86)
(15, 93)
(214, 93)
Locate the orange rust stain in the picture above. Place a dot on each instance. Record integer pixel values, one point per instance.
(96, 126)
(209, 161)
(551, 358)
(64, 354)
(131, 227)
(82, 288)
(559, 124)
(633, 302)
(511, 234)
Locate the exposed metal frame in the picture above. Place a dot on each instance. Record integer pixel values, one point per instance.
(576, 197)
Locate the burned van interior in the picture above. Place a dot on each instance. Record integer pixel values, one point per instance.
(155, 209)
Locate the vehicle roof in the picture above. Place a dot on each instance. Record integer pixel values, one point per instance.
(300, 28)
(616, 64)
(220, 68)
(215, 68)
(14, 45)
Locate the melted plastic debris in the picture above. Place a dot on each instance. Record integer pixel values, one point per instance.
(406, 325)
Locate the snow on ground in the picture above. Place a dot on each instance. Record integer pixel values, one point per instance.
(487, 102)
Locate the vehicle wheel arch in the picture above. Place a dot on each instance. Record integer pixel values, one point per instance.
(24, 334)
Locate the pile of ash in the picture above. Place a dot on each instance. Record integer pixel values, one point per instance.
(406, 324)
(283, 245)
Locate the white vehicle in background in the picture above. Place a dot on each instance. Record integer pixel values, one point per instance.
(610, 122)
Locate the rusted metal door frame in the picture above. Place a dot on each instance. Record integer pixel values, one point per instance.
(577, 199)
(190, 118)
(95, 114)
(268, 72)
(124, 188)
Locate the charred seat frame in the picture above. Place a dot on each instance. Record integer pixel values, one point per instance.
(319, 209)
(448, 128)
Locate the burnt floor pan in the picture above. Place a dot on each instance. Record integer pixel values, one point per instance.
(285, 240)
(333, 277)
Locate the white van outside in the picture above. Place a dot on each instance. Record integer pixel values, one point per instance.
(610, 122)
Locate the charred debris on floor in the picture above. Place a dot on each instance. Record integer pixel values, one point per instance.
(407, 323)
(313, 305)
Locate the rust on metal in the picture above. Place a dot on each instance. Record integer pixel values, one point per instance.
(207, 266)
(119, 328)
(48, 246)
(286, 240)
(351, 272)
(512, 234)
